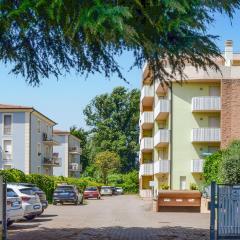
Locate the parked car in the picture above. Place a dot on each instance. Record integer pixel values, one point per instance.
(106, 190)
(114, 191)
(119, 190)
(92, 192)
(15, 211)
(39, 192)
(67, 194)
(30, 201)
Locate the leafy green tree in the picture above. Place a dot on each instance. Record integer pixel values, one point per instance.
(106, 163)
(212, 167)
(113, 119)
(83, 136)
(230, 166)
(43, 37)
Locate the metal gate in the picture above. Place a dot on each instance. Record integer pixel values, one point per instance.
(227, 202)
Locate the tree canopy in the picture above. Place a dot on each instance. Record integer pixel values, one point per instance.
(113, 119)
(39, 38)
(106, 162)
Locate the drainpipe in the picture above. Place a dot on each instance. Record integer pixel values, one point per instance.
(171, 135)
(30, 140)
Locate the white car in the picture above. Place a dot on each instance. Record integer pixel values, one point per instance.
(15, 211)
(30, 201)
(119, 190)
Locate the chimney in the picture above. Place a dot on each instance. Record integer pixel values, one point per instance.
(228, 54)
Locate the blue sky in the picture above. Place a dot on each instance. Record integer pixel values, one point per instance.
(64, 100)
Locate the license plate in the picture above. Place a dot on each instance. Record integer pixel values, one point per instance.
(36, 207)
(44, 204)
(91, 195)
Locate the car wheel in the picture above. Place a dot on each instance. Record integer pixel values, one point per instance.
(9, 223)
(30, 217)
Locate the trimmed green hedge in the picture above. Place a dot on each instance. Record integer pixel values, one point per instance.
(46, 183)
(128, 181)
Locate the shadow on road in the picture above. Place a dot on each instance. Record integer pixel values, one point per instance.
(112, 233)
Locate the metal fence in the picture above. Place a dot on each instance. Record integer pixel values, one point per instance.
(226, 199)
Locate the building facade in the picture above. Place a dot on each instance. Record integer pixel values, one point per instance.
(69, 151)
(181, 124)
(26, 140)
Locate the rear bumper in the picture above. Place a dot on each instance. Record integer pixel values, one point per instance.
(30, 210)
(15, 215)
(44, 204)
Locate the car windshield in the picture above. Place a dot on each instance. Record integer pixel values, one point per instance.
(64, 189)
(118, 188)
(91, 189)
(106, 188)
(27, 191)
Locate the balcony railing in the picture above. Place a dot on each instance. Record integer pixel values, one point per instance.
(74, 167)
(147, 95)
(146, 144)
(146, 193)
(162, 166)
(146, 169)
(197, 165)
(161, 110)
(206, 135)
(7, 156)
(206, 104)
(48, 140)
(75, 150)
(161, 138)
(54, 161)
(146, 120)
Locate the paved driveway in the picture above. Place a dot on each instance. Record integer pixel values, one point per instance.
(113, 218)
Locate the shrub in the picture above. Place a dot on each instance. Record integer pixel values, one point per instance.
(230, 166)
(211, 168)
(193, 186)
(13, 175)
(164, 186)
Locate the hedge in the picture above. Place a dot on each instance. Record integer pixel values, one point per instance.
(128, 181)
(46, 183)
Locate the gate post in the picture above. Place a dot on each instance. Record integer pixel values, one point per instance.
(212, 209)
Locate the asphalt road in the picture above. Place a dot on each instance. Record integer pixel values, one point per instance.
(112, 218)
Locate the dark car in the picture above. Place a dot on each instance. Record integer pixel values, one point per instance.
(67, 194)
(39, 192)
(114, 191)
(92, 192)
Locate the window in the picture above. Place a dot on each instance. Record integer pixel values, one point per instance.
(7, 166)
(39, 150)
(7, 150)
(38, 126)
(7, 124)
(214, 122)
(11, 193)
(214, 91)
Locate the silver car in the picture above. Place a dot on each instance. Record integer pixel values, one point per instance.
(106, 191)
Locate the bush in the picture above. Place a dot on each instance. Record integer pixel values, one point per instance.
(164, 186)
(211, 168)
(193, 186)
(230, 166)
(46, 183)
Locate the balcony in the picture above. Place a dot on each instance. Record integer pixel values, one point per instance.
(75, 167)
(75, 150)
(197, 166)
(146, 120)
(147, 95)
(146, 169)
(162, 166)
(49, 140)
(146, 144)
(54, 161)
(206, 135)
(161, 110)
(162, 89)
(206, 104)
(161, 138)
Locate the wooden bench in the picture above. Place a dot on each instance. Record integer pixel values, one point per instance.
(179, 201)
